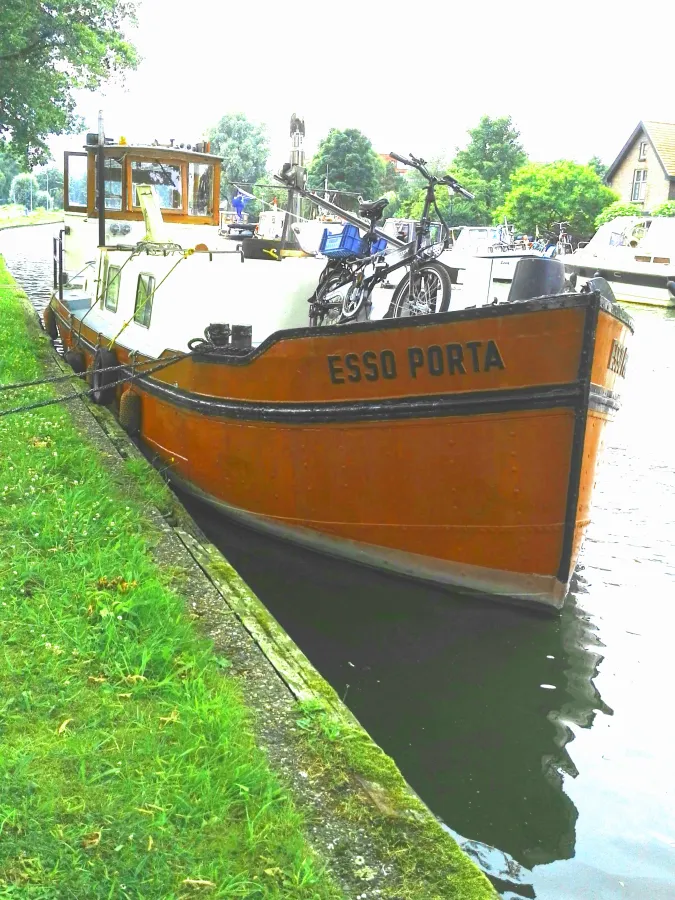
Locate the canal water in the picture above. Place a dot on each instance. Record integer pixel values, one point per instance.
(548, 738)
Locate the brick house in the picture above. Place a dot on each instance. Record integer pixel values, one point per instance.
(644, 171)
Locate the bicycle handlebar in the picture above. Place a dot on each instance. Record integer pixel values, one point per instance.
(457, 187)
(401, 159)
(447, 180)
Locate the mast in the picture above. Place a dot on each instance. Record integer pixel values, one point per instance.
(100, 180)
(299, 179)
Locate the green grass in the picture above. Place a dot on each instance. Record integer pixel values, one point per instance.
(128, 767)
(11, 217)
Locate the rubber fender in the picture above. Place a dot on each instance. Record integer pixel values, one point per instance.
(101, 380)
(76, 360)
(130, 412)
(50, 323)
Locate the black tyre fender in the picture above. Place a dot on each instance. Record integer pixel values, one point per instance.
(445, 278)
(50, 323)
(76, 360)
(101, 379)
(130, 412)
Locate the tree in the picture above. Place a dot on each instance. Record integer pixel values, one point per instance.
(598, 166)
(24, 190)
(544, 193)
(48, 50)
(42, 199)
(618, 208)
(9, 167)
(454, 209)
(493, 154)
(665, 209)
(50, 179)
(244, 147)
(348, 160)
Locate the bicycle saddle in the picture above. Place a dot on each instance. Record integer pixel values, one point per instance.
(374, 209)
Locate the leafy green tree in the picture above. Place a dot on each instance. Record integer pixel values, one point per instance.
(391, 180)
(24, 189)
(618, 208)
(350, 163)
(664, 209)
(598, 166)
(544, 193)
(244, 146)
(42, 199)
(50, 179)
(49, 49)
(9, 167)
(494, 153)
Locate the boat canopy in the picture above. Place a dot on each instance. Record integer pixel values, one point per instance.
(186, 182)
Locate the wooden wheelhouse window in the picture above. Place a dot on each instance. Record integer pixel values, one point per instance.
(113, 184)
(75, 182)
(165, 177)
(200, 189)
(112, 288)
(145, 288)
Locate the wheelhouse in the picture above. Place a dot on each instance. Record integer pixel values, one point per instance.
(186, 182)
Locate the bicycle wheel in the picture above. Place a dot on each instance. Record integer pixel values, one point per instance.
(326, 308)
(430, 294)
(355, 301)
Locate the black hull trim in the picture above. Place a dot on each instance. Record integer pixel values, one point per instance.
(432, 406)
(637, 279)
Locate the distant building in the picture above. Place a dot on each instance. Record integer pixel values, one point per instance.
(400, 168)
(644, 171)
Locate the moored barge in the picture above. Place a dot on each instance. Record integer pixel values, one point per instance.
(459, 448)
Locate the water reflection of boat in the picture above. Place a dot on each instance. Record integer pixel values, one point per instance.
(455, 692)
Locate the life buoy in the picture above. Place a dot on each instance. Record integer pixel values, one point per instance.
(102, 378)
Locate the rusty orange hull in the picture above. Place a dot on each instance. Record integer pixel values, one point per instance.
(459, 448)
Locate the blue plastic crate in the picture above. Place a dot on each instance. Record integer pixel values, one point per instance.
(345, 243)
(378, 246)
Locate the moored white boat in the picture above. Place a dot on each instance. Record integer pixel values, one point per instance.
(635, 254)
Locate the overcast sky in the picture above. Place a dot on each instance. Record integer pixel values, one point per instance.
(575, 76)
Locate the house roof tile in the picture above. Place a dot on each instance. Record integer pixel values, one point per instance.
(662, 136)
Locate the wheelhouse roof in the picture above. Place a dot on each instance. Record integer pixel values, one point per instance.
(153, 150)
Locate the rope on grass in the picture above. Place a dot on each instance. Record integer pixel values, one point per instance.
(26, 384)
(80, 394)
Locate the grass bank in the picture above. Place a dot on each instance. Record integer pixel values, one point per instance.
(128, 766)
(9, 218)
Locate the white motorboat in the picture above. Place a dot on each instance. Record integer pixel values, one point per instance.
(635, 254)
(483, 260)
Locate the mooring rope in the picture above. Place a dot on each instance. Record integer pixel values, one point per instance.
(79, 394)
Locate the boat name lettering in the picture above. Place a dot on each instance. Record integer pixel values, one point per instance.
(618, 357)
(437, 359)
